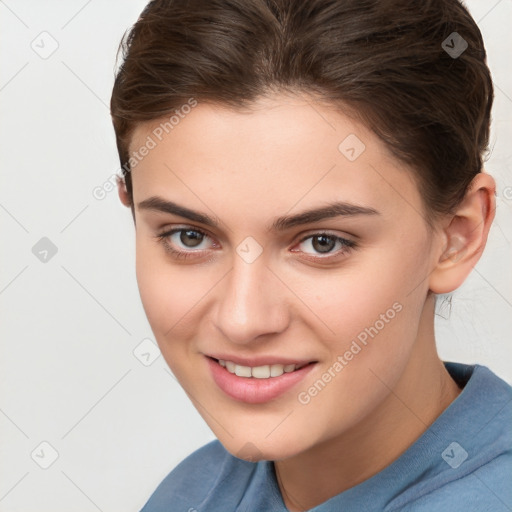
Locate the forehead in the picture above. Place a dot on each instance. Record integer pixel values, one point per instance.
(282, 151)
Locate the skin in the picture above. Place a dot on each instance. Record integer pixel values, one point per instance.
(246, 169)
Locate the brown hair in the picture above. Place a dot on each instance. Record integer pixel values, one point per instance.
(385, 60)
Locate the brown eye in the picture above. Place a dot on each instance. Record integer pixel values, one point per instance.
(190, 237)
(325, 243)
(185, 242)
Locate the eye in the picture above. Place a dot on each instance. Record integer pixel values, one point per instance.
(188, 242)
(183, 242)
(325, 244)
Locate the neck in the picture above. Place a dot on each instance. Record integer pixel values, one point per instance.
(423, 392)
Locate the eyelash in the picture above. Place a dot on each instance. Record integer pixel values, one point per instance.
(347, 245)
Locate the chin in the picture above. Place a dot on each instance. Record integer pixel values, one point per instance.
(260, 448)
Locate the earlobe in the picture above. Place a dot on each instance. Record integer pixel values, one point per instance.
(123, 192)
(465, 236)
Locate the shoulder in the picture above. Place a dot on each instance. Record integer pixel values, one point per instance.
(486, 489)
(476, 470)
(204, 476)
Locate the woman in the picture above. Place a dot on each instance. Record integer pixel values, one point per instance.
(305, 178)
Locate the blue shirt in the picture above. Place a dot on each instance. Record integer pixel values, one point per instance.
(461, 463)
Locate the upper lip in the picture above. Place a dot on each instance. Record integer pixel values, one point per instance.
(260, 360)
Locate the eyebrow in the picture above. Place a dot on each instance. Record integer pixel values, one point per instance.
(334, 209)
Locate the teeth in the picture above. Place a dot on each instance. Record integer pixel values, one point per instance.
(278, 369)
(242, 371)
(259, 372)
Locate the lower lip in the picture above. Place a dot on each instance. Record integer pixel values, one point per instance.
(255, 391)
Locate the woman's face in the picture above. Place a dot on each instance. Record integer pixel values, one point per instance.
(258, 282)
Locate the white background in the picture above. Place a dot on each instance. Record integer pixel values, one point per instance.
(68, 374)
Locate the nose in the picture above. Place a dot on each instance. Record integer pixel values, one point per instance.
(251, 302)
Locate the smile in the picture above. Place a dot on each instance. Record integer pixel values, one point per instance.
(259, 372)
(256, 384)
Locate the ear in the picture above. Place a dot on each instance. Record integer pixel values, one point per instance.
(122, 192)
(464, 235)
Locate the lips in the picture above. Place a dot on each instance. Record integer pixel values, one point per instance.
(257, 383)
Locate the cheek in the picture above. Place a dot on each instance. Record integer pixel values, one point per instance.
(173, 296)
(348, 301)
(371, 313)
(167, 293)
